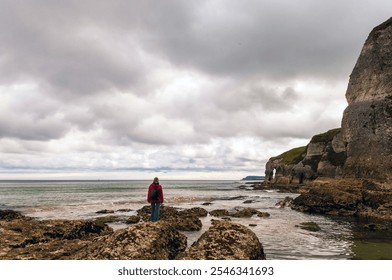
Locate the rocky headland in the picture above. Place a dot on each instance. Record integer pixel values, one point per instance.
(348, 170)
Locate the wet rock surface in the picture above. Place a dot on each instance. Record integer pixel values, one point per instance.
(367, 199)
(310, 226)
(238, 212)
(133, 220)
(219, 212)
(27, 238)
(285, 202)
(186, 220)
(105, 211)
(225, 241)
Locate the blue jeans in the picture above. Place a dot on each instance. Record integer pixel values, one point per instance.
(155, 211)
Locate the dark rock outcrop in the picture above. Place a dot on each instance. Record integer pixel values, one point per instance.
(310, 226)
(285, 202)
(238, 212)
(195, 211)
(105, 211)
(347, 198)
(28, 238)
(133, 220)
(225, 241)
(10, 215)
(219, 212)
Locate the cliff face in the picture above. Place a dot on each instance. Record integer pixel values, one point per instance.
(363, 147)
(367, 121)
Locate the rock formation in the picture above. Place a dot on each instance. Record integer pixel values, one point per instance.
(27, 238)
(186, 220)
(347, 198)
(147, 241)
(363, 146)
(367, 121)
(239, 212)
(325, 156)
(225, 241)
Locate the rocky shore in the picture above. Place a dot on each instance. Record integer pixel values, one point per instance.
(25, 238)
(339, 197)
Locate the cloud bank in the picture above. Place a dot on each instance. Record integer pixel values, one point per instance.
(182, 89)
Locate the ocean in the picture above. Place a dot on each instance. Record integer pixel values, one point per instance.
(280, 235)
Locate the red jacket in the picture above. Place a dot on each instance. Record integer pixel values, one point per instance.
(152, 187)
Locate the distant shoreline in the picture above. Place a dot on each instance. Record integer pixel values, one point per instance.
(253, 178)
(108, 180)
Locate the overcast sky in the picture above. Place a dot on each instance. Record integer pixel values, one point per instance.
(176, 89)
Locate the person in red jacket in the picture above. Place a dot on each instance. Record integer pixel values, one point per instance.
(155, 197)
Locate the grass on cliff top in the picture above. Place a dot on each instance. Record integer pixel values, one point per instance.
(326, 136)
(292, 156)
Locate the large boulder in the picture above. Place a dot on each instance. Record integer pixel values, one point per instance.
(225, 241)
(10, 215)
(147, 241)
(185, 220)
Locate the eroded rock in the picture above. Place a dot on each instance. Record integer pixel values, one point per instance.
(238, 212)
(133, 219)
(185, 220)
(348, 198)
(310, 226)
(105, 211)
(225, 241)
(146, 241)
(27, 238)
(367, 121)
(219, 212)
(10, 215)
(285, 202)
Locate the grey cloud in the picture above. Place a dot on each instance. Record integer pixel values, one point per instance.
(28, 128)
(32, 118)
(44, 40)
(280, 40)
(49, 42)
(254, 95)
